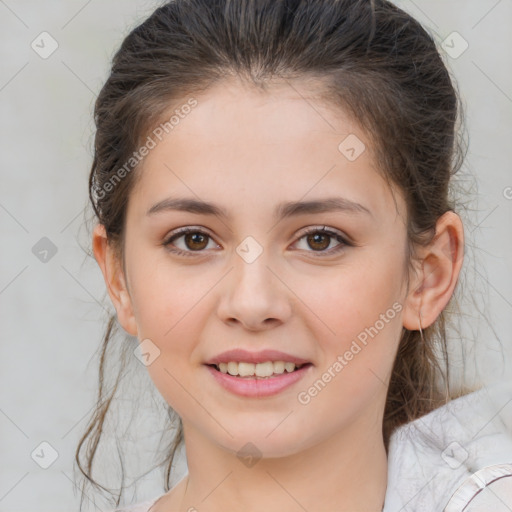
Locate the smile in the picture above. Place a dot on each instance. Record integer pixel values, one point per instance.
(257, 380)
(263, 370)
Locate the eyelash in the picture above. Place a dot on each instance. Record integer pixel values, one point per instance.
(184, 231)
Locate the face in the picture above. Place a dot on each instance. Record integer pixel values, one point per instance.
(325, 285)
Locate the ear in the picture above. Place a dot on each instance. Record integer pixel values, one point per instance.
(440, 263)
(114, 279)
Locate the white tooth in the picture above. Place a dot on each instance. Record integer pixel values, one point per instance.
(246, 369)
(279, 367)
(289, 367)
(232, 368)
(264, 369)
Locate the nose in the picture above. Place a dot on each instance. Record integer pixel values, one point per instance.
(254, 296)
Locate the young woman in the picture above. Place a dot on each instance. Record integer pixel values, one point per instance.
(271, 182)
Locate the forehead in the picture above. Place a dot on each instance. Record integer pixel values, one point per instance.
(243, 146)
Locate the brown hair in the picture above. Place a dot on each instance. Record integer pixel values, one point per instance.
(370, 58)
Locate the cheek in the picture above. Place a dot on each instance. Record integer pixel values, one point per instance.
(360, 312)
(170, 311)
(351, 299)
(165, 296)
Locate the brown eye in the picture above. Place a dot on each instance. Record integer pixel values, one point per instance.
(194, 240)
(319, 241)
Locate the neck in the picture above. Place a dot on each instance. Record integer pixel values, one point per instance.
(345, 472)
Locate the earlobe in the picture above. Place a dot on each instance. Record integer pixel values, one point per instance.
(114, 279)
(434, 284)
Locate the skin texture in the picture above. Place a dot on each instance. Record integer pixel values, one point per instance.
(248, 151)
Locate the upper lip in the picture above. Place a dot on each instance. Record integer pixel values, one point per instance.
(261, 356)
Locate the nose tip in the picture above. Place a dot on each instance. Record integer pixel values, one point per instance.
(254, 298)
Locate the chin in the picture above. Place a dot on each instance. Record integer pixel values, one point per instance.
(262, 443)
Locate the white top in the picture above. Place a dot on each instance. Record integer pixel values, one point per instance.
(458, 458)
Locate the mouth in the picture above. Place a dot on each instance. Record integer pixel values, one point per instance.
(266, 370)
(264, 380)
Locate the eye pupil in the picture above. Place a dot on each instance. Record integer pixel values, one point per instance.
(314, 239)
(194, 238)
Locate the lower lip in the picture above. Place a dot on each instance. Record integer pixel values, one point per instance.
(248, 387)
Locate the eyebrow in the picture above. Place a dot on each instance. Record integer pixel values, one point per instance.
(282, 211)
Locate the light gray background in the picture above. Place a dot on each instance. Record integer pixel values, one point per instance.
(52, 313)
